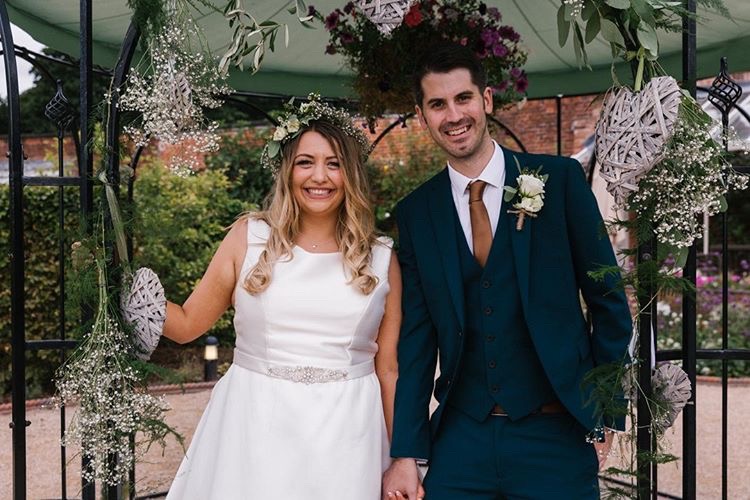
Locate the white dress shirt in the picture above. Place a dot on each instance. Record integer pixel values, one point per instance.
(494, 175)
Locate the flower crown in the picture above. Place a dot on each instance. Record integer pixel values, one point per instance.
(294, 119)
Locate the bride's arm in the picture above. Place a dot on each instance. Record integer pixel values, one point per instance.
(386, 363)
(213, 295)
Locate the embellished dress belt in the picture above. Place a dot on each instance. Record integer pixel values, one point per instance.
(302, 374)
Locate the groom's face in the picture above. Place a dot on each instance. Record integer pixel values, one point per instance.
(454, 111)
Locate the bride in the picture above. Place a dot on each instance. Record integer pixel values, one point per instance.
(305, 410)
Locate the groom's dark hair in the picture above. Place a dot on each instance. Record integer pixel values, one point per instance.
(445, 57)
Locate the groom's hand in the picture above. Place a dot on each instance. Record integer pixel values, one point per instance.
(401, 480)
(603, 448)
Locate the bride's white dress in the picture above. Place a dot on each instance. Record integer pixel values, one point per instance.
(299, 414)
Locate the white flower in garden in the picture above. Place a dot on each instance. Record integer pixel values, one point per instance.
(531, 204)
(530, 185)
(292, 124)
(280, 133)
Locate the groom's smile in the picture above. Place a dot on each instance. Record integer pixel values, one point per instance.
(453, 110)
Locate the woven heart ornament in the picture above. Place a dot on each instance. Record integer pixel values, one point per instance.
(632, 133)
(144, 307)
(386, 14)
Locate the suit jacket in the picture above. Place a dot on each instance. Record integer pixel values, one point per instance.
(553, 254)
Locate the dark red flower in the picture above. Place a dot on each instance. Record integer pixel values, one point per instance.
(522, 84)
(348, 8)
(331, 49)
(413, 17)
(346, 38)
(332, 20)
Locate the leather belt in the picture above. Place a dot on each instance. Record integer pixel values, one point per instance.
(554, 407)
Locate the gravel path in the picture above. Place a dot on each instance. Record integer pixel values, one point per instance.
(155, 473)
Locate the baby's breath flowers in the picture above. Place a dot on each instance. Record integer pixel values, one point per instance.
(691, 180)
(171, 90)
(102, 379)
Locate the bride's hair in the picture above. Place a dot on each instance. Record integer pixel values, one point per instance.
(355, 229)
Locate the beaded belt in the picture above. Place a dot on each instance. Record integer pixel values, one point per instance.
(302, 374)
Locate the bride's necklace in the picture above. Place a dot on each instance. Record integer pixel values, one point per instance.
(318, 244)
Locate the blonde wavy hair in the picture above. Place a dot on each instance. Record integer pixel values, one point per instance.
(355, 229)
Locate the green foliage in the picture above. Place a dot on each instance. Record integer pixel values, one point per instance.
(180, 222)
(239, 160)
(629, 26)
(41, 258)
(391, 180)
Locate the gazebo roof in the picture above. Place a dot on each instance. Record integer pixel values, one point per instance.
(303, 67)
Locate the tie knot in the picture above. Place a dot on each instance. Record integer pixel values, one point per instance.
(476, 189)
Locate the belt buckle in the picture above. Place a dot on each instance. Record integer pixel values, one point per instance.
(494, 413)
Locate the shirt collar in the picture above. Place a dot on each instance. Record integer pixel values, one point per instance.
(493, 173)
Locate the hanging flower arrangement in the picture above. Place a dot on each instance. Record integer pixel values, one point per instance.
(382, 63)
(172, 86)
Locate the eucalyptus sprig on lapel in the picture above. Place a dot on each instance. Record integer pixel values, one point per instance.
(528, 195)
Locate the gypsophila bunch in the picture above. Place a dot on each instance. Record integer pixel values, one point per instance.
(171, 87)
(691, 180)
(383, 64)
(295, 119)
(102, 378)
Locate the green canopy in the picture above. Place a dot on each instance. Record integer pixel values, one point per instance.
(303, 67)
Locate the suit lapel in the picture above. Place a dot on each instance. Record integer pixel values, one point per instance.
(443, 213)
(520, 240)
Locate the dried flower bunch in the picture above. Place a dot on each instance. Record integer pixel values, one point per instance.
(691, 180)
(171, 86)
(102, 377)
(383, 63)
(295, 118)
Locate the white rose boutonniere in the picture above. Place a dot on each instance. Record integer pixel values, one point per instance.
(528, 196)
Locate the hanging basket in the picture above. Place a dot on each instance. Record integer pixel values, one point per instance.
(386, 14)
(633, 131)
(144, 307)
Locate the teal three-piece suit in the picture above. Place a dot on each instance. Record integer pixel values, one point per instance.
(511, 334)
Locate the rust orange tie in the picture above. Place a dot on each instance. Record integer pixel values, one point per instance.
(481, 230)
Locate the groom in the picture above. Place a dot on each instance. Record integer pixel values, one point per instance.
(499, 307)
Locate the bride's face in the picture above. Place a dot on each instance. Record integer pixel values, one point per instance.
(317, 177)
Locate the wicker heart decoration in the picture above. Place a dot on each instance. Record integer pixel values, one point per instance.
(144, 307)
(673, 386)
(632, 132)
(386, 14)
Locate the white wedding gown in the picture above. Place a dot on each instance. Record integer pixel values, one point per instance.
(299, 414)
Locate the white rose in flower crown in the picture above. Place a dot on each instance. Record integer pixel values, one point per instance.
(292, 124)
(279, 133)
(530, 185)
(531, 204)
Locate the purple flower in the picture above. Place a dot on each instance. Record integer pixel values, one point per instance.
(346, 38)
(332, 20)
(744, 265)
(331, 49)
(499, 50)
(349, 7)
(494, 13)
(522, 84)
(311, 10)
(489, 37)
(501, 88)
(509, 33)
(516, 73)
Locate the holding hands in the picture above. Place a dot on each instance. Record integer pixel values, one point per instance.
(401, 481)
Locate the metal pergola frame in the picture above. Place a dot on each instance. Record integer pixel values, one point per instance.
(647, 482)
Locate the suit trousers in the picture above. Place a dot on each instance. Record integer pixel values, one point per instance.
(538, 457)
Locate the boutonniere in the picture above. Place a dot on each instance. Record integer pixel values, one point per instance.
(528, 195)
